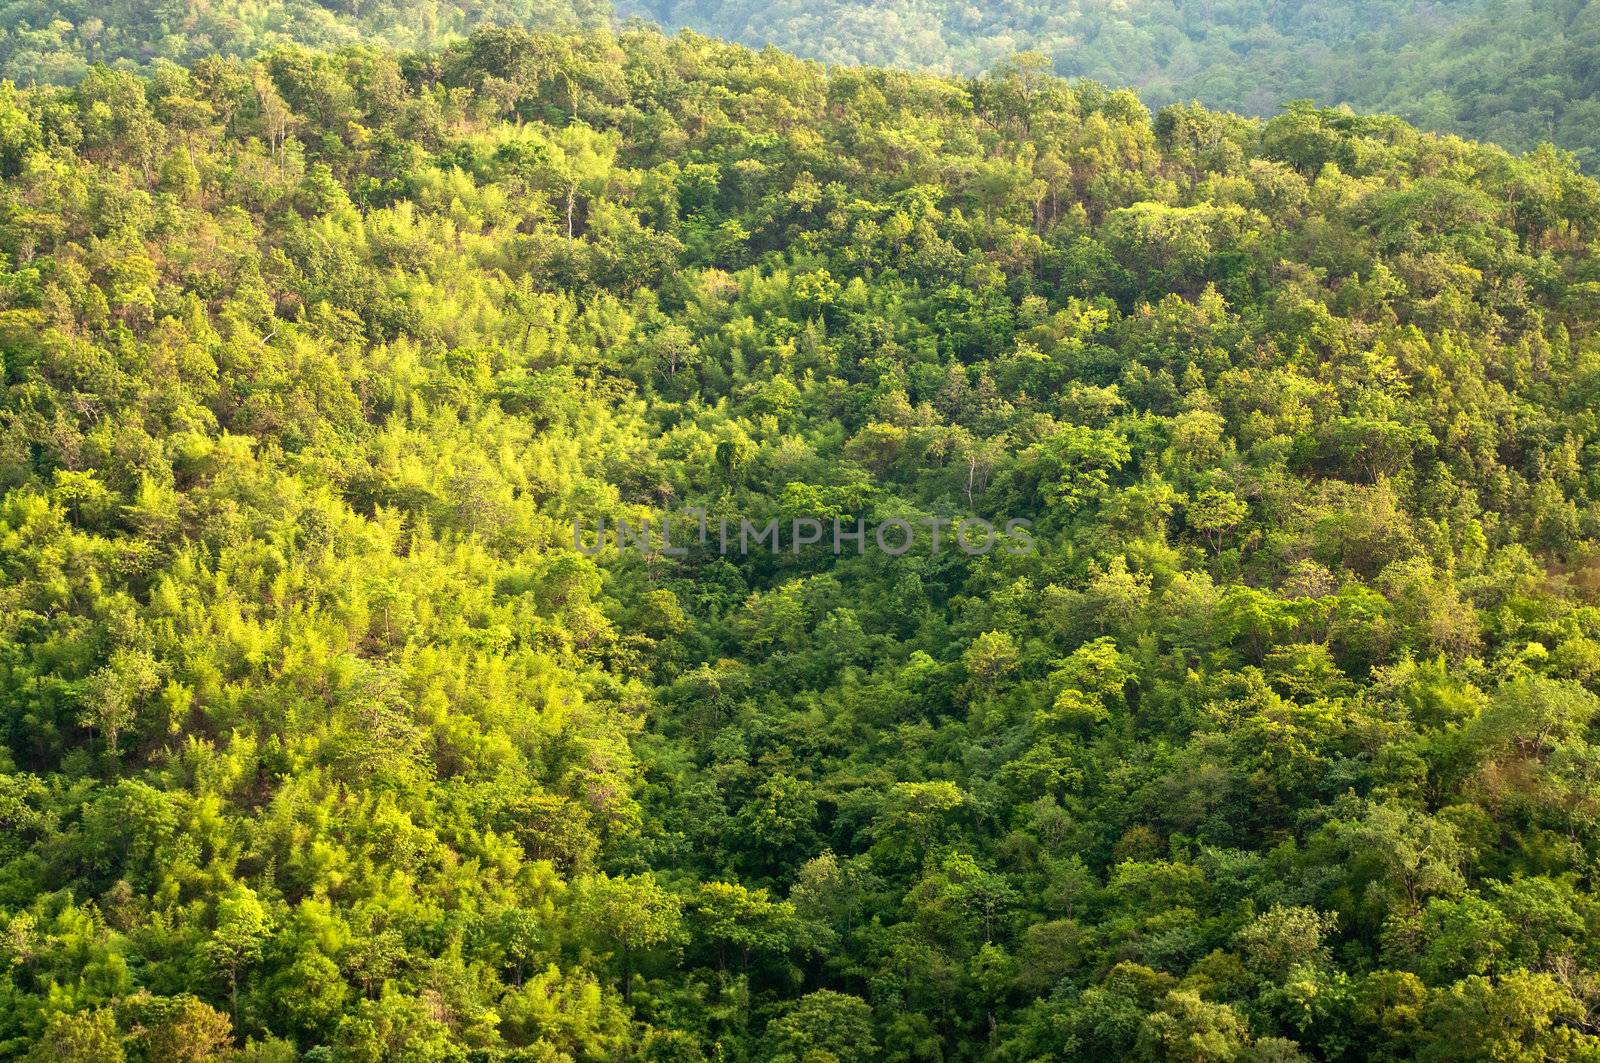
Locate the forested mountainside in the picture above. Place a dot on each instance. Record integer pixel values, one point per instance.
(321, 740)
(57, 41)
(1518, 72)
(1514, 71)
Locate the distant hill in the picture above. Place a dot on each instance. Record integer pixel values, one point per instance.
(1516, 72)
(1513, 71)
(57, 40)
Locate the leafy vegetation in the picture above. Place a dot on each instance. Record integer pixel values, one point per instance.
(1517, 72)
(57, 41)
(321, 741)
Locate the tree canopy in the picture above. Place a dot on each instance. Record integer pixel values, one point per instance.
(320, 739)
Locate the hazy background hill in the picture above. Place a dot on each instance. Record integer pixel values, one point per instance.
(1516, 72)
(57, 40)
(1513, 71)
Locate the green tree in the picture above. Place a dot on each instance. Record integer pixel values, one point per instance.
(634, 914)
(823, 1025)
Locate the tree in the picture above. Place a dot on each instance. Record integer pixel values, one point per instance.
(1190, 1030)
(1396, 858)
(735, 918)
(1284, 938)
(1214, 513)
(634, 913)
(823, 1025)
(961, 903)
(79, 1037)
(180, 1029)
(1519, 1018)
(912, 814)
(112, 694)
(242, 928)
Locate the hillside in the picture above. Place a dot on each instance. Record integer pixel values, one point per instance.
(1517, 72)
(1267, 737)
(57, 41)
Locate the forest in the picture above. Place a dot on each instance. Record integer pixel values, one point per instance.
(1517, 72)
(321, 739)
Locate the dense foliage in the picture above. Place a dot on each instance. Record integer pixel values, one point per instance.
(59, 40)
(320, 739)
(1514, 71)
(1518, 72)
